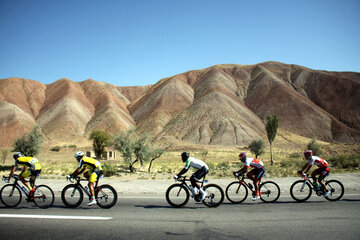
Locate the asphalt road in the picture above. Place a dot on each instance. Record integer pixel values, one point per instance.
(152, 218)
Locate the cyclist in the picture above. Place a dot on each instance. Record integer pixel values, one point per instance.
(255, 174)
(202, 170)
(32, 169)
(323, 170)
(92, 175)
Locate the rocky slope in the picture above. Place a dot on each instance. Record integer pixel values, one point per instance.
(220, 105)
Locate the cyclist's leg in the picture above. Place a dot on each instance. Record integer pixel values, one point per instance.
(251, 175)
(92, 180)
(23, 175)
(34, 175)
(314, 174)
(323, 173)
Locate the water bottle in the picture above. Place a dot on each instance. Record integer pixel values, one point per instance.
(251, 186)
(318, 187)
(24, 189)
(315, 185)
(86, 188)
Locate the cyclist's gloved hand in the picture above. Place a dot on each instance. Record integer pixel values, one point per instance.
(7, 179)
(235, 174)
(68, 177)
(176, 177)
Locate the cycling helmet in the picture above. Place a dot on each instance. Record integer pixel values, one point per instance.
(243, 155)
(17, 155)
(308, 154)
(79, 155)
(185, 156)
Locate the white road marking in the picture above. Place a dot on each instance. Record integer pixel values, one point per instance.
(54, 217)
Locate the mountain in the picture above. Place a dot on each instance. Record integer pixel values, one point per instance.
(219, 105)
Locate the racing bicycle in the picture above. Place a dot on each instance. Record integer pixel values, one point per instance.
(301, 190)
(73, 194)
(178, 194)
(11, 194)
(237, 191)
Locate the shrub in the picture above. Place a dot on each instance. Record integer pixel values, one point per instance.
(55, 149)
(315, 147)
(345, 161)
(109, 169)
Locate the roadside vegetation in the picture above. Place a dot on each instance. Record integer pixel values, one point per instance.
(135, 157)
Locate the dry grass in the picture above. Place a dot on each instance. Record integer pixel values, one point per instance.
(222, 161)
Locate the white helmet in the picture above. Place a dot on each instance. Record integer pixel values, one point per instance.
(79, 154)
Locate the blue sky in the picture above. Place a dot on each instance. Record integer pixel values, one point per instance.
(139, 42)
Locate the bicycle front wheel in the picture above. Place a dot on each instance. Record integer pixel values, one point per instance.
(10, 195)
(106, 196)
(72, 195)
(269, 192)
(300, 190)
(43, 196)
(236, 192)
(214, 195)
(336, 190)
(177, 195)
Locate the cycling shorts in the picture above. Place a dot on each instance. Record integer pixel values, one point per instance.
(31, 173)
(200, 173)
(322, 171)
(94, 176)
(258, 173)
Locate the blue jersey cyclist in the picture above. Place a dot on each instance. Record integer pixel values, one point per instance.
(94, 172)
(31, 168)
(202, 170)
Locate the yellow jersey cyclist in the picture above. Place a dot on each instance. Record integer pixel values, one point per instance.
(94, 172)
(31, 168)
(202, 170)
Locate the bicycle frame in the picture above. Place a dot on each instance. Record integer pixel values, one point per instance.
(84, 189)
(242, 180)
(307, 180)
(183, 181)
(22, 188)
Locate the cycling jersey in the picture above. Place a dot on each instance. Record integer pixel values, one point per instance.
(30, 162)
(254, 163)
(195, 163)
(90, 163)
(319, 162)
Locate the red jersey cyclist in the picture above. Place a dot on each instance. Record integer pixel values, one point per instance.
(255, 174)
(323, 169)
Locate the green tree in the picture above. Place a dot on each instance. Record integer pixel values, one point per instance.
(271, 129)
(315, 147)
(257, 147)
(124, 143)
(29, 144)
(155, 154)
(100, 140)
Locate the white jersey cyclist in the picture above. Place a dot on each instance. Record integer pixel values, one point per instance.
(195, 163)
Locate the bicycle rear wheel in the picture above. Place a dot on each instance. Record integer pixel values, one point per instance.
(300, 191)
(106, 196)
(336, 190)
(10, 195)
(236, 192)
(177, 195)
(269, 192)
(214, 195)
(43, 196)
(72, 195)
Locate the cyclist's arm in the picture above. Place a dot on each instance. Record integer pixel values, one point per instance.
(243, 170)
(306, 168)
(77, 172)
(183, 171)
(12, 171)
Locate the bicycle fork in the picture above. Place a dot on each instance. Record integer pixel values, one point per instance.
(303, 186)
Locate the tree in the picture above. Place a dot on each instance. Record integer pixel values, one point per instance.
(124, 144)
(257, 147)
(29, 144)
(156, 153)
(271, 129)
(100, 141)
(4, 154)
